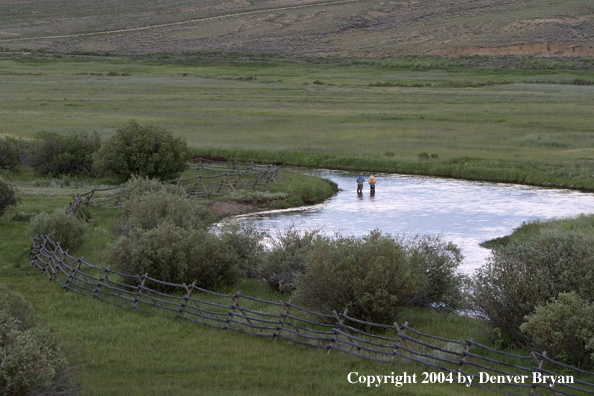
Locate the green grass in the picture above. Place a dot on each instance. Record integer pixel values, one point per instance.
(508, 128)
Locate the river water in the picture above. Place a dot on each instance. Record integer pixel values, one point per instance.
(463, 212)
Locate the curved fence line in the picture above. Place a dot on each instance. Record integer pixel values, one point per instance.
(215, 178)
(398, 344)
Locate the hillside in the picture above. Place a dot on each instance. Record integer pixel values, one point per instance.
(365, 28)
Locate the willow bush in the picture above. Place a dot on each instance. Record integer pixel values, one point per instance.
(286, 258)
(68, 230)
(32, 361)
(8, 196)
(176, 255)
(529, 272)
(54, 154)
(146, 150)
(564, 327)
(377, 275)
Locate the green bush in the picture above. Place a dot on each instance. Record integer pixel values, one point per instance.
(148, 210)
(529, 272)
(8, 196)
(440, 285)
(68, 230)
(71, 154)
(369, 276)
(176, 255)
(137, 186)
(286, 258)
(564, 328)
(32, 362)
(10, 153)
(147, 150)
(244, 241)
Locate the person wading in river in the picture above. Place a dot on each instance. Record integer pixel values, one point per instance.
(360, 181)
(372, 184)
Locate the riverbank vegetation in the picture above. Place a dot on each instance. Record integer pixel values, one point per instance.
(536, 288)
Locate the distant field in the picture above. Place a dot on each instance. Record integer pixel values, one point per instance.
(526, 126)
(363, 28)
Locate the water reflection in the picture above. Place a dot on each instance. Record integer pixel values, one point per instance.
(463, 212)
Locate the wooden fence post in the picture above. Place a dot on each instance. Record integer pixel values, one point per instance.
(183, 305)
(139, 293)
(401, 333)
(466, 346)
(234, 298)
(100, 283)
(223, 182)
(339, 321)
(282, 321)
(539, 362)
(72, 274)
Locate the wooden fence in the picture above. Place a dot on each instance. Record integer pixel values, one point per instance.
(213, 178)
(395, 345)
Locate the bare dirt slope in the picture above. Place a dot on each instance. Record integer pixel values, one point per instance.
(367, 28)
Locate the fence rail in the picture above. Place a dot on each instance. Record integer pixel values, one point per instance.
(215, 178)
(339, 332)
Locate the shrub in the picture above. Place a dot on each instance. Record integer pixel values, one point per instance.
(17, 307)
(147, 150)
(65, 229)
(10, 153)
(32, 362)
(244, 241)
(527, 273)
(55, 154)
(286, 258)
(369, 276)
(440, 285)
(175, 255)
(137, 186)
(8, 196)
(148, 210)
(564, 327)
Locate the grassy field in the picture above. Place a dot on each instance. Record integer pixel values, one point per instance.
(416, 116)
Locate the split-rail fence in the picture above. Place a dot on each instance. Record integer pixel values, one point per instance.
(214, 178)
(283, 320)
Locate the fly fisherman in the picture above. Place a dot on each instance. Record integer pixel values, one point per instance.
(372, 184)
(360, 181)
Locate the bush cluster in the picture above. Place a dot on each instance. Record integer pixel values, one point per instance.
(165, 236)
(286, 258)
(375, 276)
(68, 230)
(32, 362)
(8, 196)
(146, 150)
(176, 255)
(72, 154)
(10, 153)
(530, 272)
(564, 327)
(146, 211)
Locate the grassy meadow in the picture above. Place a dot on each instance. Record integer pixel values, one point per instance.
(413, 115)
(416, 116)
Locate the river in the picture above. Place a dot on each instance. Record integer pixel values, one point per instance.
(464, 212)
